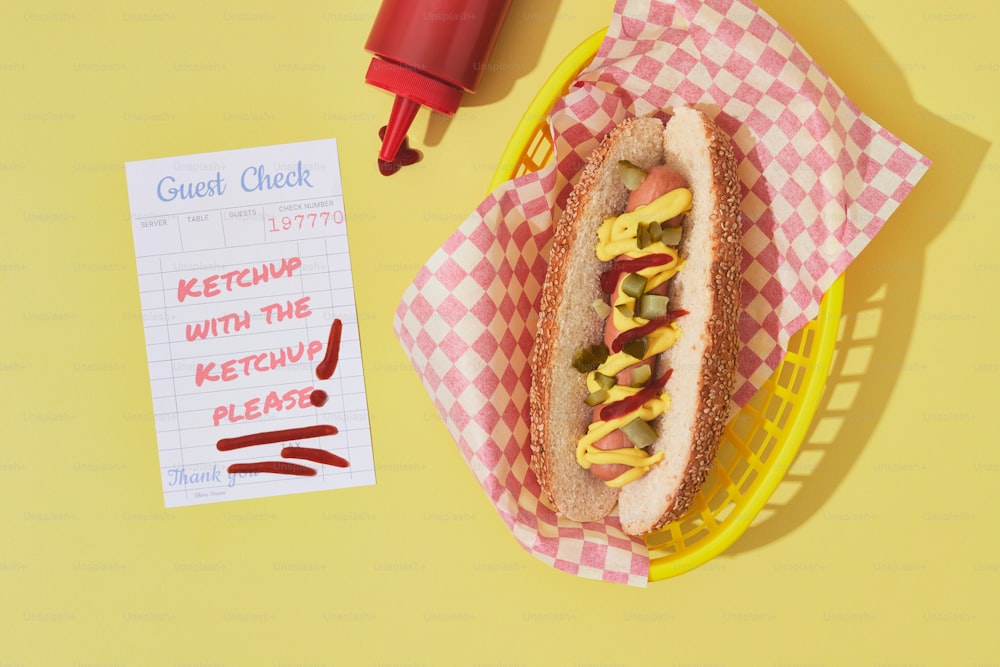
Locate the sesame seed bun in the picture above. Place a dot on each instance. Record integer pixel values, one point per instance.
(703, 360)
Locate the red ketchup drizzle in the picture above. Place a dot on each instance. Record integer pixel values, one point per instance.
(317, 397)
(649, 327)
(276, 467)
(315, 455)
(634, 402)
(609, 279)
(325, 369)
(269, 437)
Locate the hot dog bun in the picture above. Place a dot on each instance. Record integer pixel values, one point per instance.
(703, 360)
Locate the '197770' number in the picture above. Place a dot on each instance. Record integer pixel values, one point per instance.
(305, 220)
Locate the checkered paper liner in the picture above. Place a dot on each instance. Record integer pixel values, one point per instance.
(819, 179)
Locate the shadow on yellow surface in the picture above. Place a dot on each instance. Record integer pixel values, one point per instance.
(883, 286)
(516, 53)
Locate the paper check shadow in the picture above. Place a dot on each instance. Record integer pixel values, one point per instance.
(882, 292)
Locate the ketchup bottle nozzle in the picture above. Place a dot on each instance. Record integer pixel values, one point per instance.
(400, 118)
(427, 53)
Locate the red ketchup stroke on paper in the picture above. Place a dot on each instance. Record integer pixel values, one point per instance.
(303, 398)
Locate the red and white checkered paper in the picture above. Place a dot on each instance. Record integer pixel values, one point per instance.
(819, 179)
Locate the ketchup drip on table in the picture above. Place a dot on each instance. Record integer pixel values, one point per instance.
(405, 156)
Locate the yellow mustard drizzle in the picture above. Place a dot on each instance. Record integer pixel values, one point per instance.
(618, 236)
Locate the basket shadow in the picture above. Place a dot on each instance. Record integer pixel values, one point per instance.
(880, 311)
(881, 297)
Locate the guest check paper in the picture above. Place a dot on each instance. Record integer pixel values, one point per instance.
(250, 323)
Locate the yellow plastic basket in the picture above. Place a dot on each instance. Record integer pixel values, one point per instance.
(761, 441)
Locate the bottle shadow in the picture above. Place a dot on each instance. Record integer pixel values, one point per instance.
(882, 286)
(516, 53)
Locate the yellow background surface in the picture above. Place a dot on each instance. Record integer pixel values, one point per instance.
(879, 549)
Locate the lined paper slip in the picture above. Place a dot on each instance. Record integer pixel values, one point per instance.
(251, 324)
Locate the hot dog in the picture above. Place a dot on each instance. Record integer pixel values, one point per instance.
(635, 353)
(655, 182)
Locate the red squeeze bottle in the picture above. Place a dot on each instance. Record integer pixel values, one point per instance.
(427, 53)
